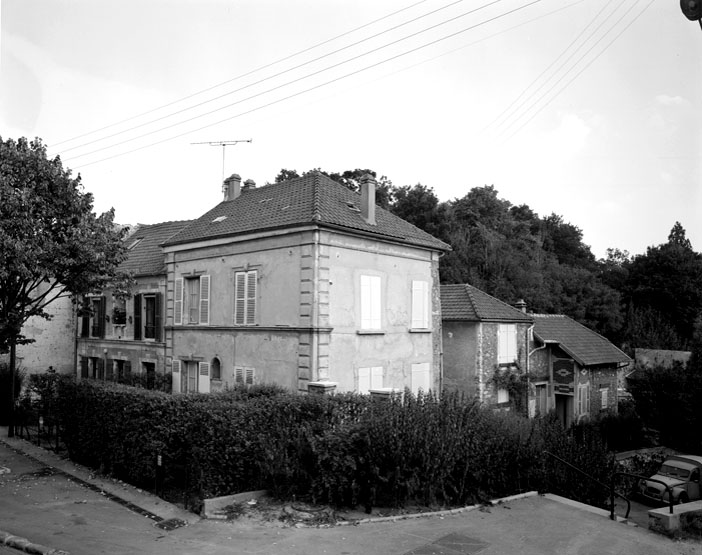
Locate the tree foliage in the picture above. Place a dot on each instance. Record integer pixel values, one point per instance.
(52, 244)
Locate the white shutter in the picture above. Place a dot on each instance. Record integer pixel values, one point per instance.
(203, 382)
(249, 376)
(176, 376)
(239, 298)
(205, 300)
(238, 374)
(178, 302)
(376, 377)
(421, 378)
(251, 279)
(364, 380)
(370, 302)
(420, 305)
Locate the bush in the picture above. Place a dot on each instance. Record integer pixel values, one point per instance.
(343, 449)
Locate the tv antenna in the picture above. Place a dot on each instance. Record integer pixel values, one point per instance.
(224, 145)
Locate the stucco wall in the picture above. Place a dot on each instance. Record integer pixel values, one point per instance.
(54, 344)
(460, 350)
(396, 348)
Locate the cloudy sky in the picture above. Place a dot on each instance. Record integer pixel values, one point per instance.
(591, 109)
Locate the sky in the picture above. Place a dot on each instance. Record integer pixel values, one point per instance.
(589, 109)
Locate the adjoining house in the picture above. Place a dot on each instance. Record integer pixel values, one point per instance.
(121, 334)
(482, 336)
(574, 370)
(560, 364)
(304, 283)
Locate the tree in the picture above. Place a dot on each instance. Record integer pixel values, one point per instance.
(668, 280)
(51, 243)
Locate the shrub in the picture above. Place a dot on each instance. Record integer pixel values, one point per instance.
(344, 449)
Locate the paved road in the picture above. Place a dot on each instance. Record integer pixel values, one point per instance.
(50, 509)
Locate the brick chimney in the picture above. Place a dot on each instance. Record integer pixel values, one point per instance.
(232, 187)
(248, 185)
(368, 198)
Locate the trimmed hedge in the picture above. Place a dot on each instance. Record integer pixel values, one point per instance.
(343, 449)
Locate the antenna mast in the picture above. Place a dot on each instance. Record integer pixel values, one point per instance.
(224, 145)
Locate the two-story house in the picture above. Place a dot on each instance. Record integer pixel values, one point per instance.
(303, 283)
(118, 334)
(482, 336)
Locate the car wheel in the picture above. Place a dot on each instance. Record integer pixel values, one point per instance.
(683, 498)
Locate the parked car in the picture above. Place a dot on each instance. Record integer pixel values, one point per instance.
(681, 473)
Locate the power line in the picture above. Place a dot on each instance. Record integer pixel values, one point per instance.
(392, 58)
(333, 66)
(583, 69)
(263, 80)
(241, 76)
(571, 68)
(508, 108)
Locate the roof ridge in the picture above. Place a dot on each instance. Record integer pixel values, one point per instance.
(316, 198)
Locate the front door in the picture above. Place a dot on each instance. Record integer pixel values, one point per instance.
(564, 409)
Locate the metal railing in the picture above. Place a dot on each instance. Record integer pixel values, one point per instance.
(640, 477)
(610, 488)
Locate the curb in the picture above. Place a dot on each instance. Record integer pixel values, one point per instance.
(446, 512)
(23, 544)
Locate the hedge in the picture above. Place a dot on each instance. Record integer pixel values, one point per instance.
(343, 449)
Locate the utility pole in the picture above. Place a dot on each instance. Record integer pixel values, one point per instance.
(224, 145)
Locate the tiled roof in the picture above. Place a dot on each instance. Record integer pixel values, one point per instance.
(465, 302)
(146, 257)
(587, 347)
(311, 199)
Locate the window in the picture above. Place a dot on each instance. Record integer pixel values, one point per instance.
(420, 305)
(245, 284)
(507, 344)
(243, 375)
(584, 399)
(421, 378)
(191, 300)
(119, 312)
(147, 316)
(370, 303)
(93, 317)
(604, 397)
(502, 395)
(370, 378)
(216, 369)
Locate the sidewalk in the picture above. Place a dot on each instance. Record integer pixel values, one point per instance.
(96, 515)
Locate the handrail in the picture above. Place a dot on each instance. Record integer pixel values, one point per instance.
(666, 486)
(609, 488)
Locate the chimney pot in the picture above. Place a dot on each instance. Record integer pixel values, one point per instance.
(232, 187)
(249, 184)
(368, 184)
(521, 305)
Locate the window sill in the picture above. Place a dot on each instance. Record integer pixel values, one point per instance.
(420, 330)
(370, 332)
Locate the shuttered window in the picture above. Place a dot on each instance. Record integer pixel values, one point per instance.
(245, 297)
(507, 344)
(420, 305)
(370, 378)
(192, 300)
(370, 303)
(421, 377)
(244, 375)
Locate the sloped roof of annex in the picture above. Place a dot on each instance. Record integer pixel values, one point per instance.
(463, 302)
(313, 199)
(585, 346)
(145, 255)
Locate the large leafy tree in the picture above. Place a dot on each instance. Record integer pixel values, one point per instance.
(52, 244)
(665, 284)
